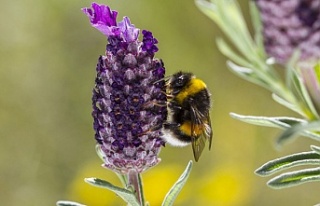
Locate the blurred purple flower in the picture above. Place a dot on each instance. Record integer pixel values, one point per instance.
(129, 101)
(290, 25)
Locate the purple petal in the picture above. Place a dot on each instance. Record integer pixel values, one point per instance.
(129, 31)
(103, 19)
(149, 42)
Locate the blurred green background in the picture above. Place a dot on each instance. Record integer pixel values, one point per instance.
(48, 57)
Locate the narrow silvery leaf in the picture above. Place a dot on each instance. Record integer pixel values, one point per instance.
(225, 49)
(257, 25)
(278, 122)
(287, 104)
(283, 123)
(177, 187)
(125, 194)
(295, 178)
(227, 15)
(210, 10)
(230, 12)
(300, 129)
(310, 74)
(302, 94)
(271, 61)
(303, 158)
(99, 152)
(315, 148)
(290, 67)
(68, 203)
(239, 69)
(247, 74)
(123, 178)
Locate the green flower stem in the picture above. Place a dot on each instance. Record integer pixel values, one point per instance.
(134, 182)
(123, 179)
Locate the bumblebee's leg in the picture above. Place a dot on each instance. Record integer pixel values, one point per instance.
(174, 105)
(156, 127)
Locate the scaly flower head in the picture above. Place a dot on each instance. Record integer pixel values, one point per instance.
(290, 25)
(128, 97)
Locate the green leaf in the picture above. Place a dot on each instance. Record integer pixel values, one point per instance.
(228, 52)
(315, 148)
(99, 152)
(295, 178)
(300, 129)
(278, 122)
(293, 126)
(287, 104)
(257, 25)
(317, 71)
(227, 15)
(247, 74)
(302, 94)
(177, 187)
(68, 203)
(123, 179)
(243, 72)
(303, 158)
(290, 67)
(125, 194)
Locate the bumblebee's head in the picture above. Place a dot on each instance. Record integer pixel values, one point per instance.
(179, 80)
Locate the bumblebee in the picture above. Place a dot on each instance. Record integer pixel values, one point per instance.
(188, 119)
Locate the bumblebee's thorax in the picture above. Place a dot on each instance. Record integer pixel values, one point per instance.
(193, 87)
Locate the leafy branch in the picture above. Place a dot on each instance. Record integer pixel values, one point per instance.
(251, 62)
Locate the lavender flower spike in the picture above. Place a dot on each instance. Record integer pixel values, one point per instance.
(290, 25)
(129, 103)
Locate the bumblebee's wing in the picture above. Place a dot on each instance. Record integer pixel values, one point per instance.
(198, 142)
(208, 130)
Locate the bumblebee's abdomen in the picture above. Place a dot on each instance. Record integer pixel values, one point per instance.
(199, 102)
(182, 133)
(185, 128)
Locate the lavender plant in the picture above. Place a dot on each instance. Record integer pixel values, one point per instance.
(287, 35)
(129, 106)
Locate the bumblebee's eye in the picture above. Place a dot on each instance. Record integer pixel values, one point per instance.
(180, 81)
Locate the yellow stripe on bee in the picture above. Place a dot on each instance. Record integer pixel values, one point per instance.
(194, 86)
(186, 129)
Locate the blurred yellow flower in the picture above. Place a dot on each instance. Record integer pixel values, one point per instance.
(225, 186)
(84, 193)
(156, 182)
(159, 180)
